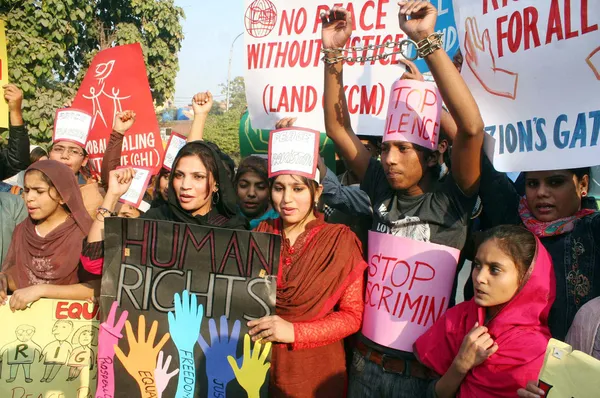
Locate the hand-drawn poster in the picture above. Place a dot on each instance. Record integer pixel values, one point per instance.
(177, 308)
(49, 350)
(117, 81)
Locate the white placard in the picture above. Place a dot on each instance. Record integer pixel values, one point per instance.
(72, 125)
(293, 151)
(176, 142)
(533, 69)
(136, 191)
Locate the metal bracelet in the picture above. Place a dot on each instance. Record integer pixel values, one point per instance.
(403, 45)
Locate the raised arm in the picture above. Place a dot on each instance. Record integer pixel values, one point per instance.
(112, 155)
(337, 29)
(466, 148)
(202, 104)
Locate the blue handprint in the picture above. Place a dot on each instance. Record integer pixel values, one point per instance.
(222, 345)
(184, 327)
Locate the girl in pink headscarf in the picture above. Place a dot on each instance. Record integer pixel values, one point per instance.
(491, 345)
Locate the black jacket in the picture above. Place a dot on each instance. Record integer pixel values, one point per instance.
(15, 157)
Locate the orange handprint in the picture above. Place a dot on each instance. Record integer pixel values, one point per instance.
(480, 59)
(141, 361)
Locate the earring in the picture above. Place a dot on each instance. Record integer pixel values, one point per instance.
(584, 194)
(217, 196)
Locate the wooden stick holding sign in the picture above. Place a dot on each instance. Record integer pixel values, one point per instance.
(136, 191)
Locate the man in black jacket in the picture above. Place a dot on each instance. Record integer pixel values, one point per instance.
(15, 157)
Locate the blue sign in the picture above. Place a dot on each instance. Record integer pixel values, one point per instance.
(445, 24)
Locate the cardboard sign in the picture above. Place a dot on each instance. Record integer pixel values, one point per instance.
(176, 142)
(294, 150)
(137, 189)
(568, 373)
(72, 125)
(541, 118)
(3, 77)
(256, 142)
(408, 289)
(117, 81)
(191, 290)
(49, 350)
(414, 112)
(284, 71)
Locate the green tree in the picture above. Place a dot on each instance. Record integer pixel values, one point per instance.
(237, 94)
(52, 42)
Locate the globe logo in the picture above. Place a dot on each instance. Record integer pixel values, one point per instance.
(260, 18)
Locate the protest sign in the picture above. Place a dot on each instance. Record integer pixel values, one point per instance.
(256, 142)
(159, 286)
(284, 73)
(176, 142)
(3, 77)
(414, 111)
(294, 150)
(72, 125)
(540, 119)
(49, 350)
(408, 288)
(568, 373)
(117, 81)
(137, 189)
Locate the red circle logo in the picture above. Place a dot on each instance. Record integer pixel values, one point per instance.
(260, 18)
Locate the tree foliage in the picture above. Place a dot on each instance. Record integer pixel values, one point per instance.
(52, 42)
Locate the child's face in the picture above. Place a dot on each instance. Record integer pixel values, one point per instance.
(495, 275)
(41, 199)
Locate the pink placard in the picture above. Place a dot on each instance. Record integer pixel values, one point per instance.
(409, 287)
(414, 112)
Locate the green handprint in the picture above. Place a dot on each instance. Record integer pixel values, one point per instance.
(251, 376)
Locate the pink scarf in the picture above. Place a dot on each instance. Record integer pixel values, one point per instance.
(520, 329)
(543, 229)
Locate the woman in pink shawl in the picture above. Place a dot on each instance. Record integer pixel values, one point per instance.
(495, 343)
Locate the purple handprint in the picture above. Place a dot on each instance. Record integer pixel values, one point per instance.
(222, 345)
(109, 336)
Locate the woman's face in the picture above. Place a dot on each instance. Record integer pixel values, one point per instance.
(128, 211)
(403, 164)
(193, 185)
(556, 194)
(292, 199)
(163, 185)
(495, 275)
(253, 194)
(42, 201)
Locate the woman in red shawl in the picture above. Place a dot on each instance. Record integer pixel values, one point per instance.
(43, 257)
(493, 344)
(319, 294)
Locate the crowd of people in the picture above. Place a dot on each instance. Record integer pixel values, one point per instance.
(534, 244)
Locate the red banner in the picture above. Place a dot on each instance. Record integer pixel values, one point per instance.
(117, 81)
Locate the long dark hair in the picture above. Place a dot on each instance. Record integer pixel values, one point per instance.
(206, 157)
(517, 242)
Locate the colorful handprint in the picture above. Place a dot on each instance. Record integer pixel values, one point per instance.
(222, 345)
(108, 337)
(162, 374)
(251, 376)
(141, 360)
(184, 326)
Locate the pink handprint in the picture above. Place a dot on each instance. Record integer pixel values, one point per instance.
(480, 59)
(162, 375)
(109, 336)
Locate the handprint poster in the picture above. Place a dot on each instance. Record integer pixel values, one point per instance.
(49, 350)
(533, 68)
(176, 299)
(117, 81)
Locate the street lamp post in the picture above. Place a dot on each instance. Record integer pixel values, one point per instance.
(229, 72)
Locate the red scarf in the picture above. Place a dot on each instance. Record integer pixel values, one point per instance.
(543, 229)
(520, 329)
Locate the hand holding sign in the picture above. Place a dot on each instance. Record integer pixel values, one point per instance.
(123, 121)
(141, 360)
(337, 28)
(119, 181)
(251, 376)
(531, 391)
(137, 186)
(422, 15)
(477, 346)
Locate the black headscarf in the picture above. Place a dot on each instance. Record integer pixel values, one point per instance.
(223, 214)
